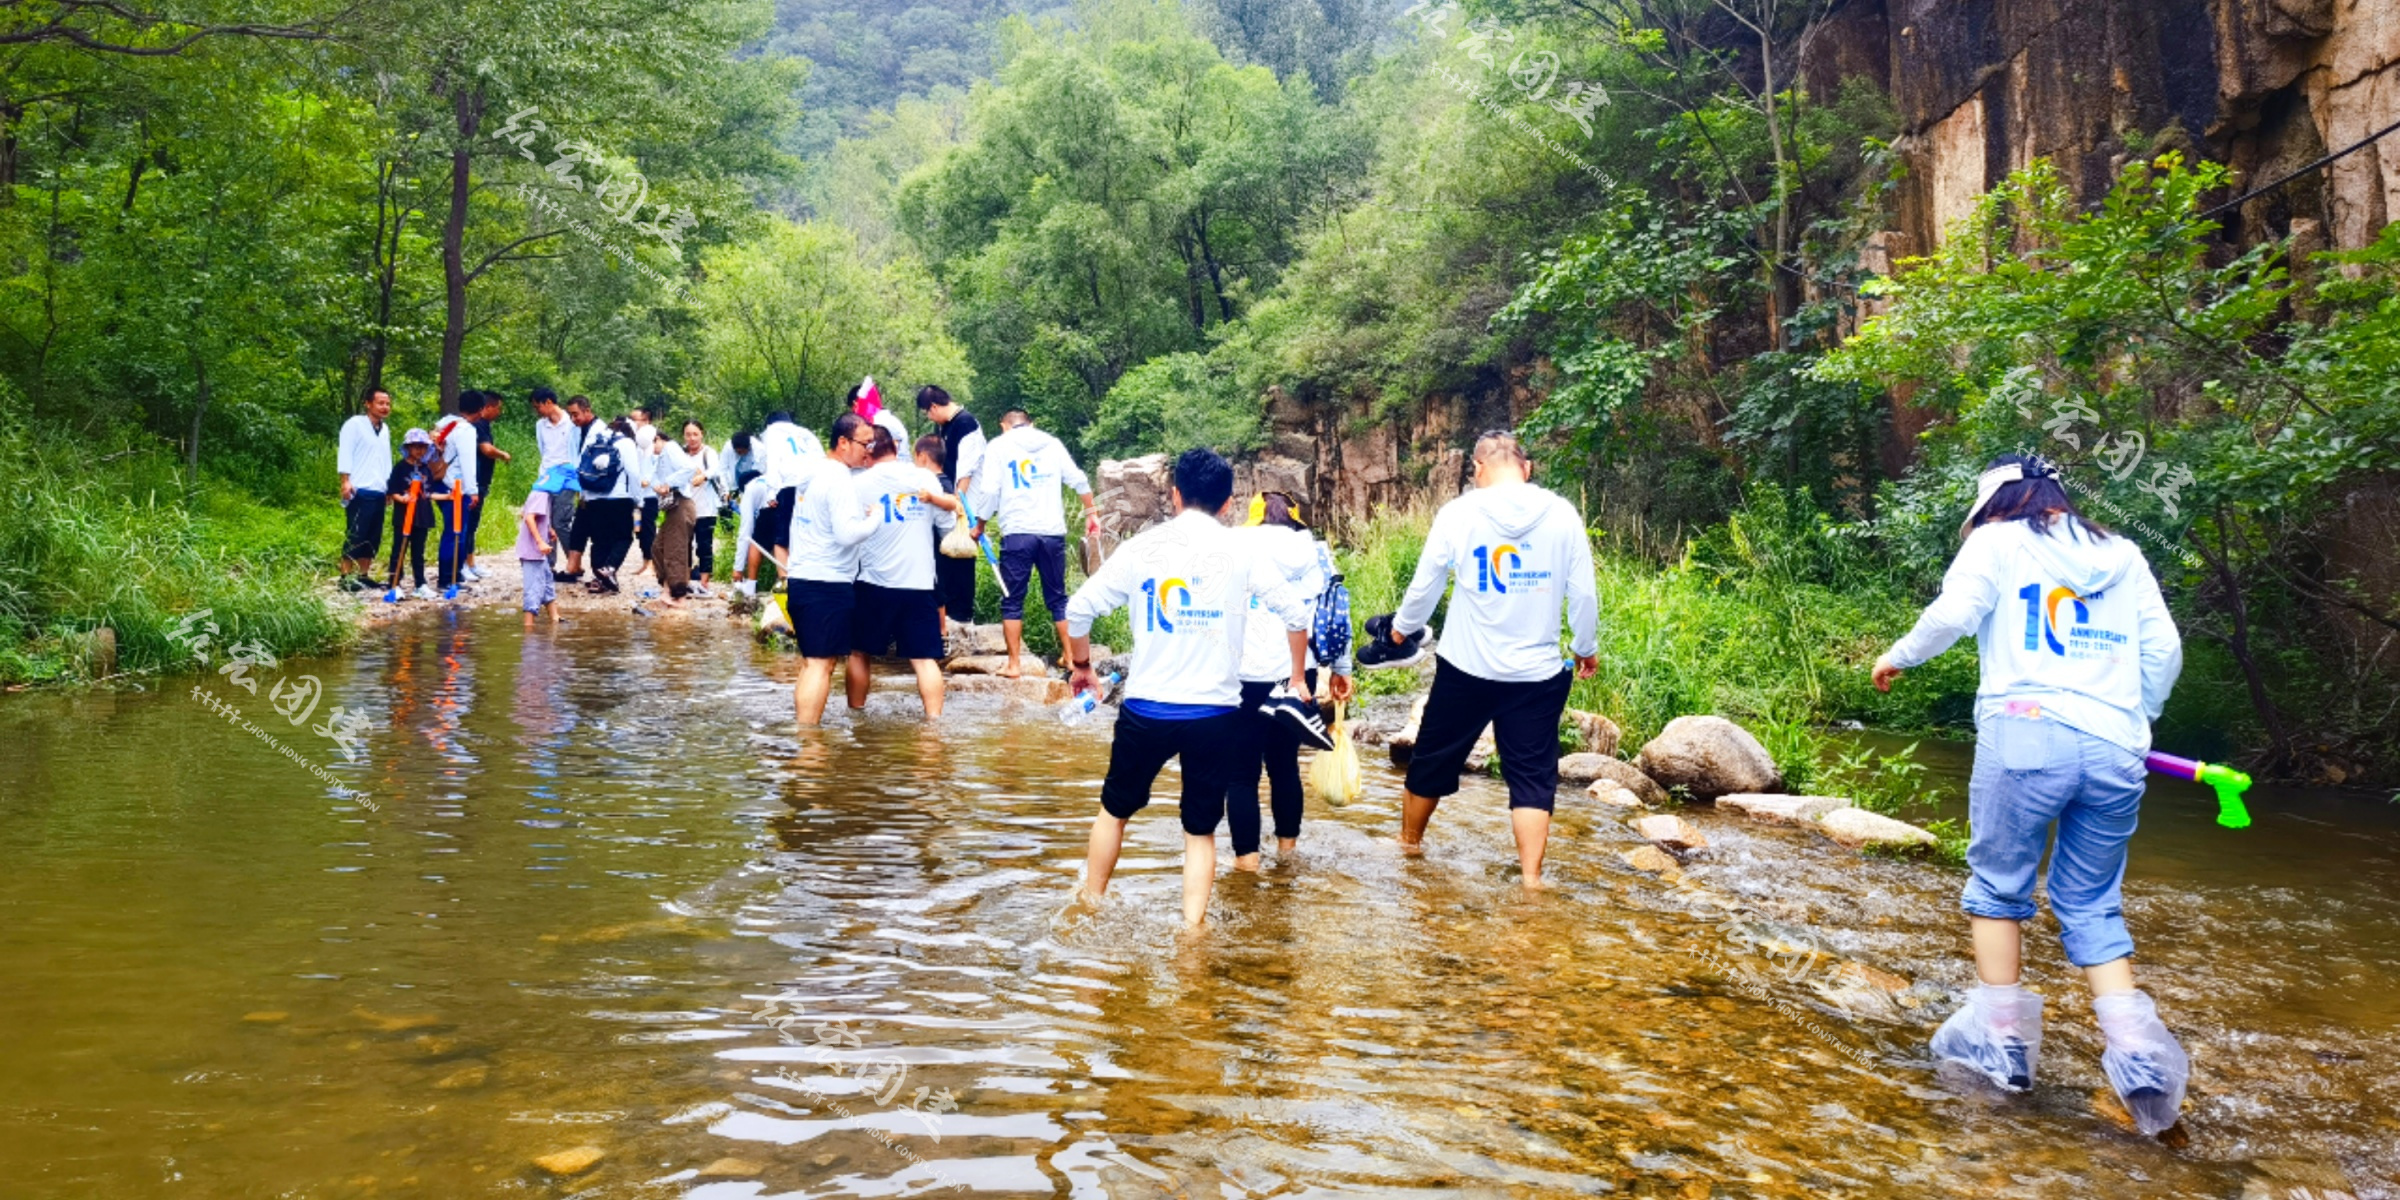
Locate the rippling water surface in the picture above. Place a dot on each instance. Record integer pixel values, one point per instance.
(604, 898)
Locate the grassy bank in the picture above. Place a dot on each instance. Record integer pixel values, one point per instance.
(106, 536)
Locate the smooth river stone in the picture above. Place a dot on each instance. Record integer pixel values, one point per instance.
(1652, 860)
(1709, 757)
(1032, 688)
(571, 1162)
(993, 664)
(731, 1168)
(1857, 828)
(1670, 831)
(1777, 809)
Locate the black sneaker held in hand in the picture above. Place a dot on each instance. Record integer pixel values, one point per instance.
(1378, 652)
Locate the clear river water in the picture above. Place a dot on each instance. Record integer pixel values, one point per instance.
(595, 898)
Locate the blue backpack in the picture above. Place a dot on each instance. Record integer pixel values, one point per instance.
(1330, 639)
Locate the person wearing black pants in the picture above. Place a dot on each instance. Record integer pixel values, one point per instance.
(1271, 746)
(962, 454)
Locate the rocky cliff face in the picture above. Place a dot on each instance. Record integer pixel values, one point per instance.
(1986, 86)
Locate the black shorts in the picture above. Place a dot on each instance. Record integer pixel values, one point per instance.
(362, 525)
(821, 616)
(774, 525)
(1020, 553)
(885, 617)
(1144, 744)
(1524, 719)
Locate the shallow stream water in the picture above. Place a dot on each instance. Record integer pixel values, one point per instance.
(594, 893)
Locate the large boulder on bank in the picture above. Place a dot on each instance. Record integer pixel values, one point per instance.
(1709, 757)
(1616, 772)
(1859, 829)
(1403, 745)
(993, 664)
(1594, 734)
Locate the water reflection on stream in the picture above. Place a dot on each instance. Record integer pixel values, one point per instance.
(607, 899)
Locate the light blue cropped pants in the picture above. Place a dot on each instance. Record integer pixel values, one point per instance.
(2031, 774)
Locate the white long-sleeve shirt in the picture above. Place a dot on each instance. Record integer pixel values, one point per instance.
(458, 450)
(364, 453)
(1017, 483)
(787, 453)
(1518, 552)
(828, 526)
(1190, 583)
(674, 467)
(2074, 623)
(1296, 557)
(899, 554)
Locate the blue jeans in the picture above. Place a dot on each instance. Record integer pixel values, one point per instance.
(2029, 775)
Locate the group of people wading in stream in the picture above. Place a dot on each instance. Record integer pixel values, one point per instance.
(2078, 651)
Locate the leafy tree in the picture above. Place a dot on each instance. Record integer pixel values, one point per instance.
(2204, 402)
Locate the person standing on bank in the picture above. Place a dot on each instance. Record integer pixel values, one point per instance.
(454, 439)
(1278, 542)
(488, 455)
(1518, 553)
(418, 474)
(827, 526)
(576, 536)
(2078, 653)
(363, 456)
(898, 609)
(1018, 485)
(610, 504)
(645, 437)
(677, 478)
(962, 452)
(1191, 587)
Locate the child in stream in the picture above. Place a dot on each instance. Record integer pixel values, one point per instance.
(1183, 690)
(2078, 654)
(536, 542)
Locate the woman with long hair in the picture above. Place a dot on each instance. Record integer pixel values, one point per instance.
(1274, 725)
(2078, 654)
(680, 476)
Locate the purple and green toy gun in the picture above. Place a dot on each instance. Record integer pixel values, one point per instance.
(2229, 783)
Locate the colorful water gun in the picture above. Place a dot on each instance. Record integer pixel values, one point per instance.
(2229, 783)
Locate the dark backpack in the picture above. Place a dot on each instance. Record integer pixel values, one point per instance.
(600, 467)
(1330, 639)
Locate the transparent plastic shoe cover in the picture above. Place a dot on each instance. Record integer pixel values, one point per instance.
(1997, 1033)
(2144, 1062)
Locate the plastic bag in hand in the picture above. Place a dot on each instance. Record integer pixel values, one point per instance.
(1998, 1034)
(1334, 775)
(2144, 1062)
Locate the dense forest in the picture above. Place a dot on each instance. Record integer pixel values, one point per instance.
(1139, 220)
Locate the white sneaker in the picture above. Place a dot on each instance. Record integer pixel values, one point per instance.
(423, 592)
(747, 587)
(701, 590)
(472, 575)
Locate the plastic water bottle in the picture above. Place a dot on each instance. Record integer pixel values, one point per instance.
(1080, 706)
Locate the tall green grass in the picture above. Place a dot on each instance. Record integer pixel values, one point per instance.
(101, 537)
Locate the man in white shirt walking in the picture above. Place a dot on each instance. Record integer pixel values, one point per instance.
(828, 524)
(1190, 586)
(897, 607)
(1524, 551)
(789, 455)
(1017, 484)
(364, 457)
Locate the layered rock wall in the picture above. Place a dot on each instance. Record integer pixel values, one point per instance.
(1985, 86)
